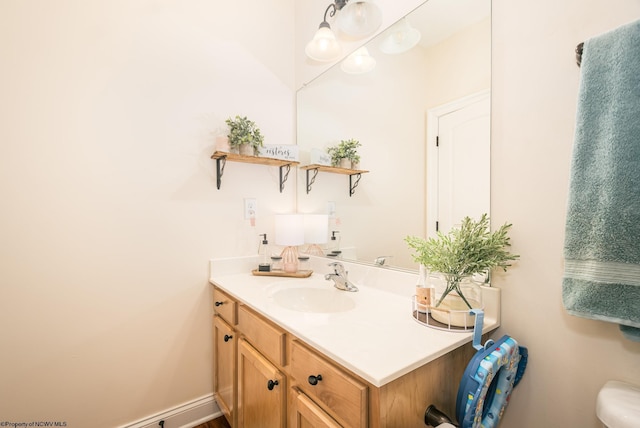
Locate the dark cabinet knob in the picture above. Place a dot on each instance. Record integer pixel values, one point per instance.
(271, 384)
(227, 337)
(313, 380)
(218, 303)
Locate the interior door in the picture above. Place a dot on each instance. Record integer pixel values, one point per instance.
(462, 165)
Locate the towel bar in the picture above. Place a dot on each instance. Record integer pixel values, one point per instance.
(579, 49)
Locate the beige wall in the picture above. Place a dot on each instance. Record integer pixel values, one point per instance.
(535, 82)
(109, 208)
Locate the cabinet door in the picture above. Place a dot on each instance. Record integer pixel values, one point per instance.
(261, 390)
(307, 414)
(224, 366)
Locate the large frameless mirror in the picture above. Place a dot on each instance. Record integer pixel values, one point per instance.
(422, 115)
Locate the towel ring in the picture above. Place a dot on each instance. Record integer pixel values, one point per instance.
(579, 50)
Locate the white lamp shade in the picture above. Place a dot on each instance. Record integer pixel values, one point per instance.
(289, 229)
(401, 38)
(358, 62)
(359, 18)
(316, 228)
(324, 46)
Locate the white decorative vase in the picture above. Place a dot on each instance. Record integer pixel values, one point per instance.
(452, 309)
(345, 163)
(247, 150)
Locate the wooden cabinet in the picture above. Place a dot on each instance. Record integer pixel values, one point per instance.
(266, 337)
(262, 390)
(224, 369)
(267, 377)
(225, 353)
(307, 414)
(225, 306)
(326, 384)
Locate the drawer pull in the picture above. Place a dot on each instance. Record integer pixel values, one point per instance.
(271, 384)
(227, 337)
(313, 380)
(219, 303)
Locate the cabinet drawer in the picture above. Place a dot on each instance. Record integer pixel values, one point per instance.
(225, 306)
(306, 413)
(340, 392)
(269, 339)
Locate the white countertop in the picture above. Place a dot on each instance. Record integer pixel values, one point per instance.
(378, 339)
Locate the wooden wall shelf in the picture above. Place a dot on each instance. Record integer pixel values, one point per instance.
(354, 175)
(222, 157)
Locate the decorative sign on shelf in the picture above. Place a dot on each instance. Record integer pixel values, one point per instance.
(319, 157)
(289, 152)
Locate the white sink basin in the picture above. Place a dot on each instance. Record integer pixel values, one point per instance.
(310, 295)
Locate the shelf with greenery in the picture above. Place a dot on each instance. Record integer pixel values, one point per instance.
(221, 159)
(354, 175)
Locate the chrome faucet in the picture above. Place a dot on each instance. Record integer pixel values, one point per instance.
(339, 277)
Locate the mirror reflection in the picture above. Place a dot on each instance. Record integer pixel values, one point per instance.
(396, 110)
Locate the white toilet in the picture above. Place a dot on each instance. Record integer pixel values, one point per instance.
(618, 405)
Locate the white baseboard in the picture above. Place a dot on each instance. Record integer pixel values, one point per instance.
(186, 415)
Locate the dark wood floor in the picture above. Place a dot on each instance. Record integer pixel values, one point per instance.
(220, 422)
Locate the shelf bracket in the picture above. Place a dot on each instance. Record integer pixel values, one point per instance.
(220, 164)
(283, 178)
(354, 184)
(313, 179)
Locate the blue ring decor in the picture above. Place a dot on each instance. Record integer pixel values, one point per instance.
(488, 381)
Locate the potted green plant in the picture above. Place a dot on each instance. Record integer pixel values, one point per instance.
(355, 161)
(244, 135)
(463, 252)
(344, 153)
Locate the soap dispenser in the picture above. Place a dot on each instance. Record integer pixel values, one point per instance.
(264, 263)
(335, 244)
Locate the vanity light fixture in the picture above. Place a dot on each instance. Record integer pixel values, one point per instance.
(358, 62)
(401, 38)
(357, 19)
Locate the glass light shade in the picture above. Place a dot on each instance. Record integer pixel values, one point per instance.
(359, 18)
(324, 46)
(358, 62)
(289, 229)
(316, 228)
(401, 38)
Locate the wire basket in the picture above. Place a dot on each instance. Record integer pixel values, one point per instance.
(448, 320)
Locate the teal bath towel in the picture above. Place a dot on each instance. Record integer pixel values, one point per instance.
(602, 241)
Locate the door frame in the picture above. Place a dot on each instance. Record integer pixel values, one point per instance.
(433, 116)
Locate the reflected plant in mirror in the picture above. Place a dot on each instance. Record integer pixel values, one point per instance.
(396, 110)
(345, 154)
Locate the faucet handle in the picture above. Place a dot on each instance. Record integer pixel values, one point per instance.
(338, 268)
(380, 260)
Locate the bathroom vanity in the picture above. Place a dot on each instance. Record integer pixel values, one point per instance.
(300, 353)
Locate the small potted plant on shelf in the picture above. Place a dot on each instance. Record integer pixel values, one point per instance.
(454, 258)
(244, 135)
(344, 153)
(355, 161)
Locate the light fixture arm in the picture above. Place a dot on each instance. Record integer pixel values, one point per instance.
(334, 8)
